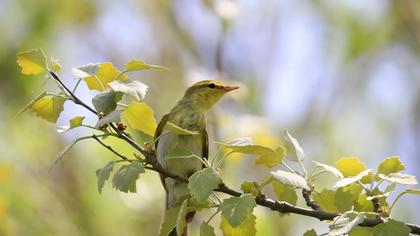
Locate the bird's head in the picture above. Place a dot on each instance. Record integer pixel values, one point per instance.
(207, 92)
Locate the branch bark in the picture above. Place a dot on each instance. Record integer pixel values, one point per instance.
(151, 159)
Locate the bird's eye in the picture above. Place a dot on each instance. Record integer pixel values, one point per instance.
(212, 85)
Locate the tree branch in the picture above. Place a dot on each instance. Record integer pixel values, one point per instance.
(150, 157)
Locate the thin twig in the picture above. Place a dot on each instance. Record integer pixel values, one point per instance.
(109, 148)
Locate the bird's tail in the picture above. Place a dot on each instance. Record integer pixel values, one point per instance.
(188, 218)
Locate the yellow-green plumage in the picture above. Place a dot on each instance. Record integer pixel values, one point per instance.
(189, 113)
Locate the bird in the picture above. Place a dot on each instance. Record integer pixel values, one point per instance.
(189, 113)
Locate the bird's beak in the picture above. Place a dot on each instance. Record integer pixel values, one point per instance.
(230, 88)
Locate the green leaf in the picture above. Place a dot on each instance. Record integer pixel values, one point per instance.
(237, 209)
(140, 116)
(206, 230)
(74, 123)
(294, 150)
(330, 169)
(98, 76)
(113, 116)
(180, 220)
(342, 224)
(284, 192)
(350, 180)
(290, 179)
(103, 175)
(399, 178)
(250, 187)
(54, 65)
(391, 228)
(271, 159)
(134, 88)
(49, 107)
(244, 145)
(362, 204)
(361, 231)
(106, 102)
(311, 232)
(390, 165)
(246, 228)
(32, 62)
(202, 183)
(135, 65)
(326, 200)
(178, 130)
(344, 199)
(169, 221)
(125, 178)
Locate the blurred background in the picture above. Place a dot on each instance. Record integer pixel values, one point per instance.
(341, 76)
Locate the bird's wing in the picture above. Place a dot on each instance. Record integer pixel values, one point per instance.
(159, 128)
(205, 143)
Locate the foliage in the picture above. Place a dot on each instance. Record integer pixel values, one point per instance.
(359, 193)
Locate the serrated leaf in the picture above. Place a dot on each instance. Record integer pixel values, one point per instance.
(178, 130)
(98, 76)
(180, 220)
(390, 165)
(74, 123)
(49, 107)
(311, 232)
(350, 180)
(134, 88)
(106, 102)
(114, 116)
(237, 209)
(294, 150)
(271, 159)
(244, 145)
(250, 187)
(330, 169)
(399, 178)
(169, 221)
(391, 228)
(202, 183)
(140, 116)
(326, 200)
(135, 65)
(344, 223)
(125, 178)
(247, 228)
(103, 175)
(290, 179)
(32, 62)
(54, 65)
(284, 192)
(206, 230)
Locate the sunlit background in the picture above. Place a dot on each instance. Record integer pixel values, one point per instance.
(341, 76)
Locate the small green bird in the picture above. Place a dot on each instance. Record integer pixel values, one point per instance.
(189, 113)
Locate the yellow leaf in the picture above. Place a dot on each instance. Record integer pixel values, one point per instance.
(134, 65)
(350, 166)
(141, 117)
(271, 159)
(49, 107)
(247, 228)
(32, 62)
(105, 74)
